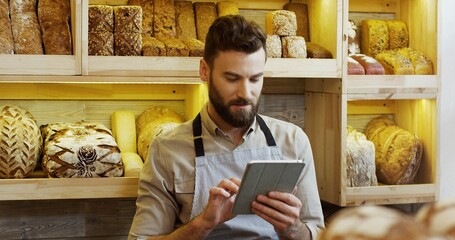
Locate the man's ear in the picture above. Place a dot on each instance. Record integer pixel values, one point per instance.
(204, 70)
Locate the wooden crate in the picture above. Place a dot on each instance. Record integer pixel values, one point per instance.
(49, 64)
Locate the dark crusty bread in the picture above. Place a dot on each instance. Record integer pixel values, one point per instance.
(185, 24)
(25, 27)
(54, 17)
(152, 47)
(127, 44)
(147, 15)
(128, 19)
(100, 18)
(100, 43)
(315, 50)
(164, 19)
(6, 36)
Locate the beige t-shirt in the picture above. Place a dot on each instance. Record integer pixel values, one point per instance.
(166, 185)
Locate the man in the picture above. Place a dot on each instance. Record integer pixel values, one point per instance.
(190, 178)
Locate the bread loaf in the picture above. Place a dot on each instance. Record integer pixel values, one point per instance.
(150, 132)
(123, 125)
(422, 64)
(164, 19)
(438, 218)
(25, 28)
(205, 13)
(360, 165)
(154, 113)
(80, 150)
(100, 43)
(128, 19)
(152, 47)
(225, 8)
(273, 45)
(195, 47)
(371, 65)
(54, 18)
(375, 37)
(132, 163)
(372, 223)
(293, 47)
(127, 43)
(281, 23)
(353, 38)
(6, 36)
(20, 142)
(301, 13)
(354, 67)
(395, 63)
(317, 51)
(100, 18)
(147, 15)
(398, 34)
(398, 154)
(175, 47)
(377, 124)
(185, 24)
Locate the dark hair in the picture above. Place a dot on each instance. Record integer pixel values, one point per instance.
(233, 32)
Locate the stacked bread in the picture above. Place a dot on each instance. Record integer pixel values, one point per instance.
(360, 161)
(153, 122)
(25, 27)
(205, 14)
(127, 30)
(100, 30)
(397, 152)
(360, 64)
(6, 36)
(20, 142)
(54, 17)
(147, 15)
(80, 150)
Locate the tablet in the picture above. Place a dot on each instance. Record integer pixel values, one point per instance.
(263, 176)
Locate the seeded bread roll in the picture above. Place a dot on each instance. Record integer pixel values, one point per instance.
(164, 19)
(395, 63)
(195, 47)
(281, 23)
(6, 35)
(294, 47)
(54, 17)
(371, 65)
(398, 34)
(205, 13)
(128, 19)
(225, 8)
(100, 18)
(375, 37)
(152, 47)
(317, 51)
(100, 43)
(25, 27)
(147, 15)
(127, 44)
(185, 24)
(422, 64)
(301, 13)
(273, 45)
(354, 67)
(175, 47)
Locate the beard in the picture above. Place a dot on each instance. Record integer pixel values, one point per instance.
(240, 118)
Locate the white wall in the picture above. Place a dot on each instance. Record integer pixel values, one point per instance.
(447, 104)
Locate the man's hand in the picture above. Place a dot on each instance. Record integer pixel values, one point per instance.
(282, 210)
(219, 206)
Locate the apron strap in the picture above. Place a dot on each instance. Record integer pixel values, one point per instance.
(197, 136)
(266, 131)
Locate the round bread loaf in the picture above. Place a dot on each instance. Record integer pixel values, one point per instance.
(372, 223)
(397, 152)
(439, 218)
(150, 132)
(20, 142)
(154, 113)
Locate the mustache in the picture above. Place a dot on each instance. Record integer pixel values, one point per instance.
(241, 101)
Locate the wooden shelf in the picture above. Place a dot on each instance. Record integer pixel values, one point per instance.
(68, 188)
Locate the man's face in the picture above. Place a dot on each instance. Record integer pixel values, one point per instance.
(235, 85)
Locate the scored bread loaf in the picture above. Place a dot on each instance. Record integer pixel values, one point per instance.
(6, 35)
(315, 50)
(154, 113)
(152, 47)
(164, 19)
(128, 19)
(100, 43)
(273, 46)
(294, 47)
(371, 65)
(54, 17)
(185, 24)
(301, 13)
(395, 63)
(25, 27)
(360, 165)
(195, 47)
(150, 132)
(422, 64)
(354, 67)
(147, 15)
(205, 13)
(225, 8)
(127, 44)
(175, 47)
(398, 34)
(100, 18)
(281, 23)
(20, 142)
(375, 37)
(438, 218)
(377, 124)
